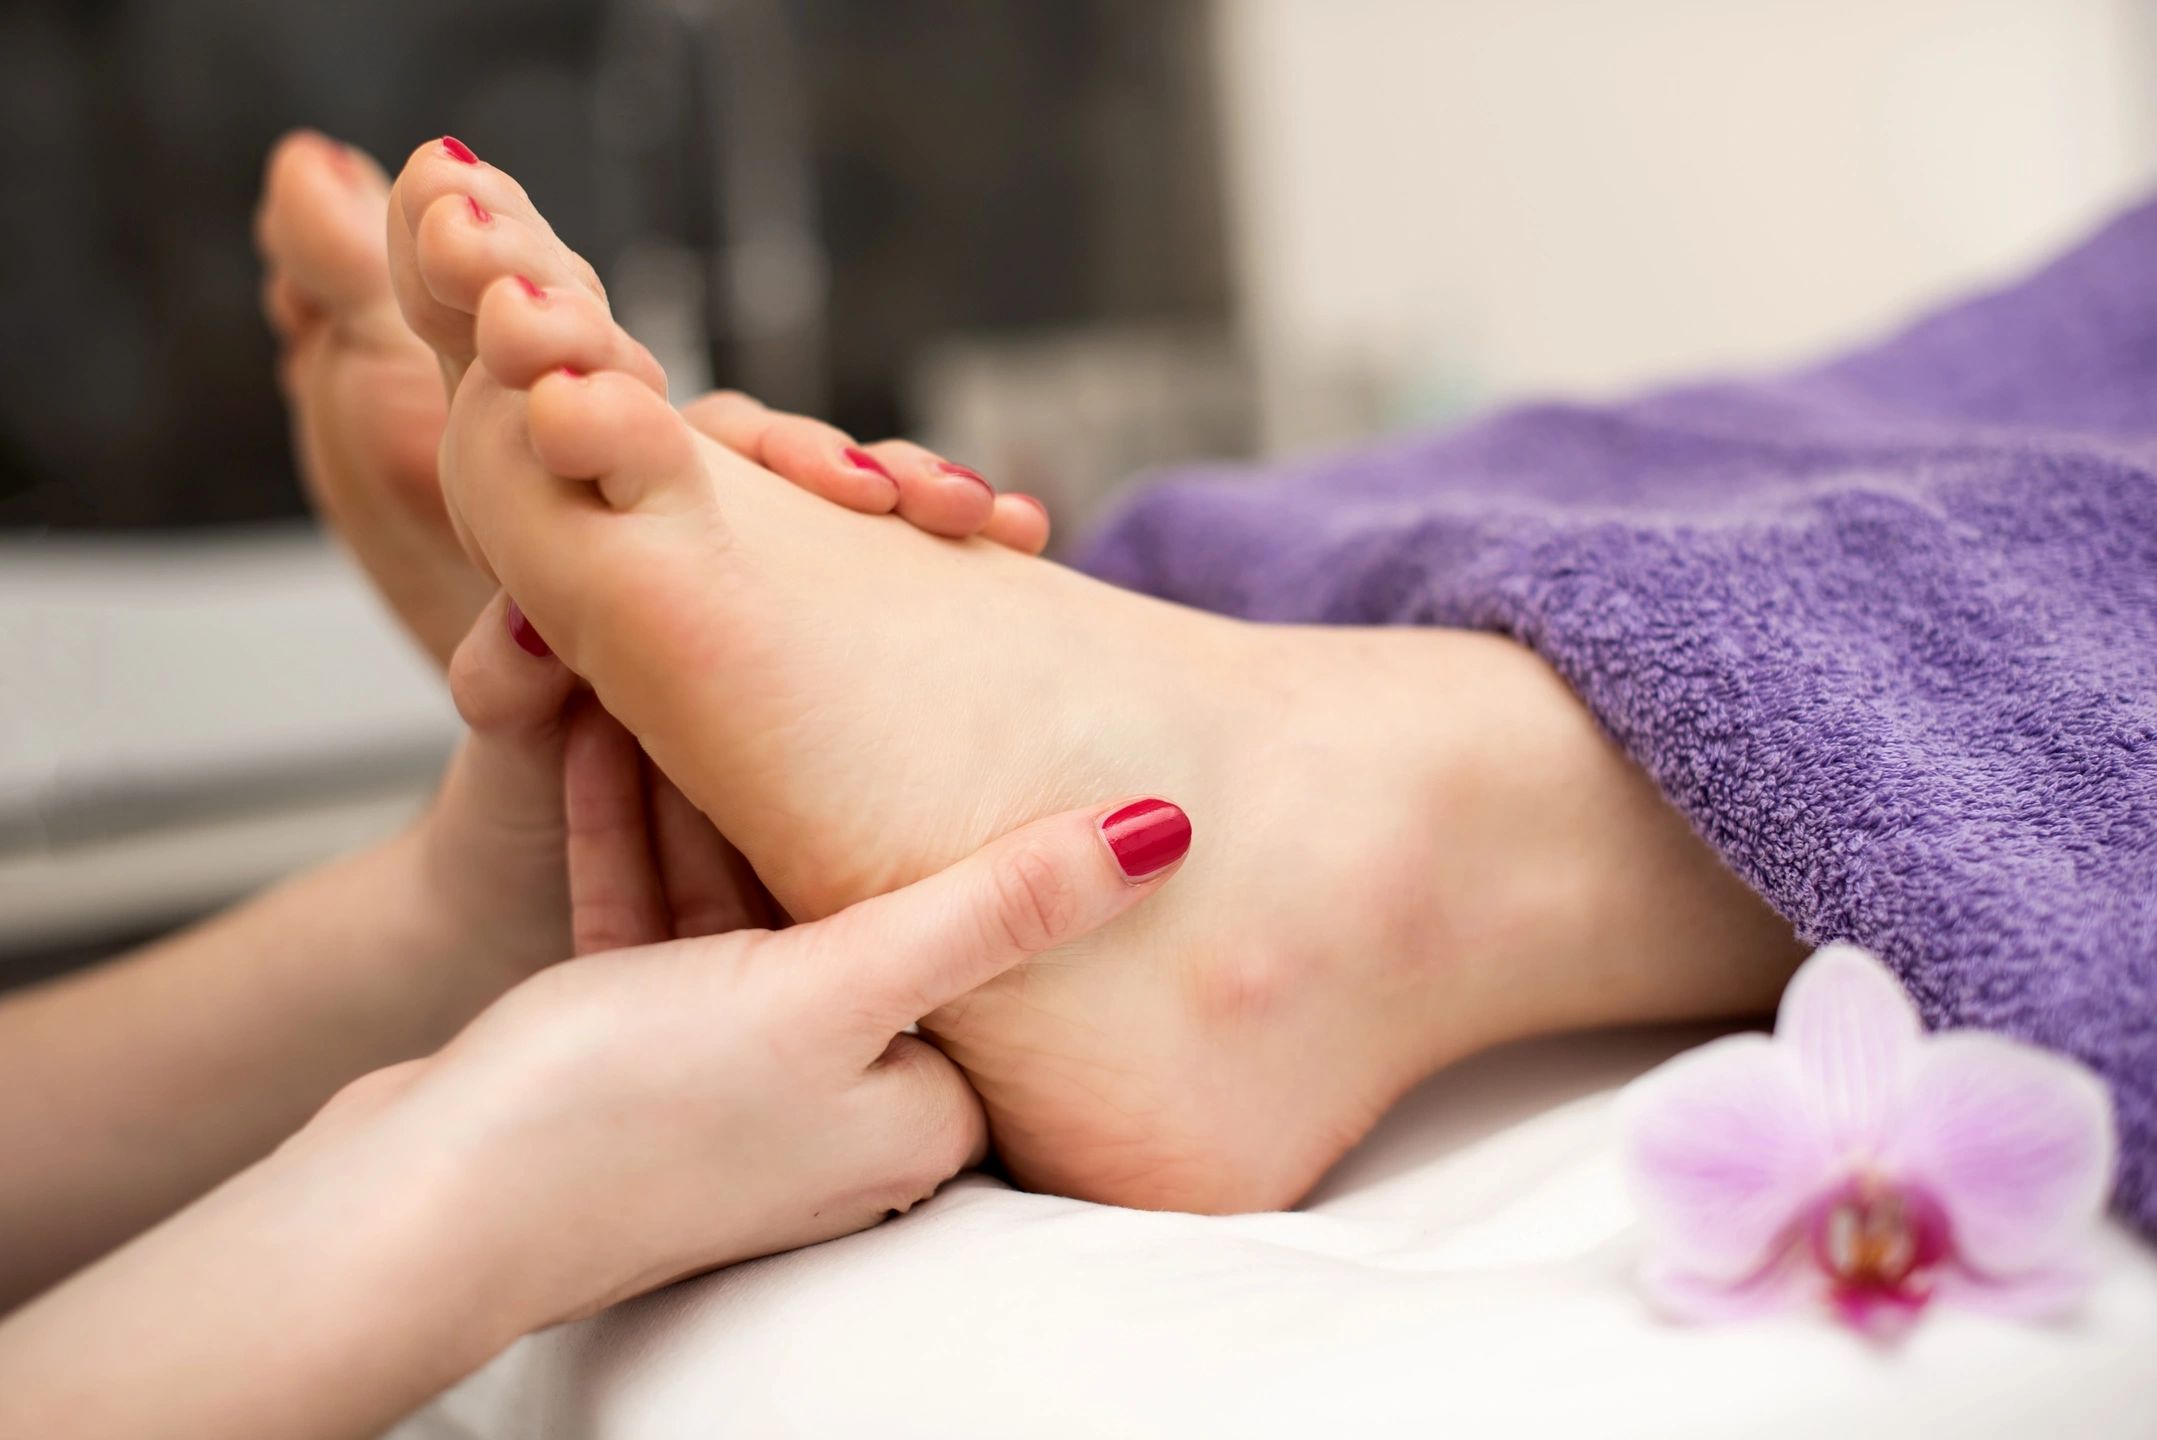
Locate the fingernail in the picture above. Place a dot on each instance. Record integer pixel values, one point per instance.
(459, 150)
(965, 472)
(479, 211)
(530, 289)
(520, 630)
(1147, 836)
(861, 459)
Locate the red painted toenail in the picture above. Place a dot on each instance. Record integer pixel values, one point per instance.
(459, 150)
(861, 459)
(520, 630)
(965, 472)
(571, 371)
(1030, 500)
(1147, 836)
(479, 211)
(530, 289)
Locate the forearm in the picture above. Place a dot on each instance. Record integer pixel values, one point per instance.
(127, 1091)
(326, 1291)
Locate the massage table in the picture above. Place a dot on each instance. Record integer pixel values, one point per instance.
(1466, 1272)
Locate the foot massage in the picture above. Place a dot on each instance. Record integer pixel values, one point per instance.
(1668, 879)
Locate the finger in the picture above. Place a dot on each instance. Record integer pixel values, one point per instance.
(503, 677)
(710, 888)
(511, 697)
(935, 1123)
(1019, 522)
(616, 898)
(935, 494)
(904, 955)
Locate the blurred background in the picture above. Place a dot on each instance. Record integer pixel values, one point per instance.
(1065, 241)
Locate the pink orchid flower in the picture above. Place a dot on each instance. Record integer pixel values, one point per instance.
(1854, 1160)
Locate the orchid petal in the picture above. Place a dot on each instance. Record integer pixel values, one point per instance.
(2014, 1143)
(1782, 1284)
(1720, 1155)
(2046, 1293)
(1854, 1032)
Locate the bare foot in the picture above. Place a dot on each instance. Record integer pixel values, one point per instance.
(366, 398)
(364, 392)
(1415, 843)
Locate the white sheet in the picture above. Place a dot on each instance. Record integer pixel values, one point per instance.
(1465, 1273)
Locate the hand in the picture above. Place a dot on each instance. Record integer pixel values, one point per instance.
(722, 1098)
(552, 833)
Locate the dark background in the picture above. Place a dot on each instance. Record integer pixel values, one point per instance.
(977, 167)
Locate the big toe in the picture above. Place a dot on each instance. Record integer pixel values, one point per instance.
(319, 230)
(456, 226)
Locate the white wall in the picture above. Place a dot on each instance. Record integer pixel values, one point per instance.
(1491, 196)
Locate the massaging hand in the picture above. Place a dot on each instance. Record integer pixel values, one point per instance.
(622, 1120)
(609, 1125)
(552, 834)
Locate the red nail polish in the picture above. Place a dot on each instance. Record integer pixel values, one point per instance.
(521, 631)
(965, 472)
(530, 289)
(571, 371)
(1147, 836)
(479, 211)
(861, 459)
(459, 150)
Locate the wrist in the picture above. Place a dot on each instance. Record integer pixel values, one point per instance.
(436, 966)
(489, 868)
(420, 1184)
(329, 1289)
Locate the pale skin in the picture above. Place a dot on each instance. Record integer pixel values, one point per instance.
(143, 1083)
(1233, 1001)
(1428, 846)
(714, 1099)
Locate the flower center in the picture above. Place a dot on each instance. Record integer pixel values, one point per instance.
(1877, 1238)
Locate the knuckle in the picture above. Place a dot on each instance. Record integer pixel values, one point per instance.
(1035, 901)
(468, 684)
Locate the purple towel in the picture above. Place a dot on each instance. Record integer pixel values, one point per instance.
(1885, 630)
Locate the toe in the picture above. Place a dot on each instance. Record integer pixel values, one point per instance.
(456, 225)
(526, 330)
(319, 223)
(820, 458)
(935, 494)
(612, 429)
(1019, 522)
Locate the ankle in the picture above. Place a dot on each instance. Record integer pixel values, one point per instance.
(1590, 900)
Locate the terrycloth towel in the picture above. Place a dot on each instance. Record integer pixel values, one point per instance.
(1884, 630)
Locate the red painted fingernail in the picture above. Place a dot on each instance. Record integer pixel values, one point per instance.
(861, 459)
(965, 472)
(459, 150)
(1147, 836)
(521, 631)
(479, 211)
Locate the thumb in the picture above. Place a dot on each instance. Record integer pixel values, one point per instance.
(904, 955)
